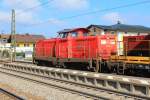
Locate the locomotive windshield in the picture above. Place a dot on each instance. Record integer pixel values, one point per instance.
(63, 35)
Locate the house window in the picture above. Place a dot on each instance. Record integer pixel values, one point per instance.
(112, 32)
(26, 45)
(94, 29)
(17, 45)
(4, 40)
(126, 32)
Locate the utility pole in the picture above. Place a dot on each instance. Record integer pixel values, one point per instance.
(13, 36)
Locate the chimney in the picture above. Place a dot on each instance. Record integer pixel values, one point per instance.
(118, 22)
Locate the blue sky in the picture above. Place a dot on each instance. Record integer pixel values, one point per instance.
(52, 17)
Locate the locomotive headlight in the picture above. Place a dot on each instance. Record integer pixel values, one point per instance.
(103, 41)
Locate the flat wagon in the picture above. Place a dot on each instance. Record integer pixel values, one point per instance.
(136, 57)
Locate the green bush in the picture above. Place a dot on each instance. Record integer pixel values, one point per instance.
(5, 53)
(20, 54)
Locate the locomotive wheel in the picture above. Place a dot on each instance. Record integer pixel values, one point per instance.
(95, 66)
(121, 69)
(39, 63)
(96, 69)
(62, 64)
(58, 66)
(114, 70)
(93, 69)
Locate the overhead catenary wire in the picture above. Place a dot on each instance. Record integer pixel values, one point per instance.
(97, 11)
(109, 9)
(19, 2)
(34, 7)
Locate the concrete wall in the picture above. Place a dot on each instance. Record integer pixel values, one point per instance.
(20, 47)
(6, 46)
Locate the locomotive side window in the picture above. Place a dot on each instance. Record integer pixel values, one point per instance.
(85, 34)
(74, 34)
(65, 35)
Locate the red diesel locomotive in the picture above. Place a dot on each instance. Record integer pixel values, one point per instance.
(75, 48)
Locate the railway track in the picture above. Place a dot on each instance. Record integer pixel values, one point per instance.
(18, 61)
(5, 95)
(91, 85)
(88, 92)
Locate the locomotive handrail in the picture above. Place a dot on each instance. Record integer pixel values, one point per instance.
(131, 59)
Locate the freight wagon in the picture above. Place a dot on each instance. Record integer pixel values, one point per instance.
(74, 48)
(136, 56)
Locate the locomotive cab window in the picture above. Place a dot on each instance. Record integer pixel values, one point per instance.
(63, 35)
(74, 34)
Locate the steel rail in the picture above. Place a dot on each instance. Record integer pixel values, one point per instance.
(56, 74)
(17, 61)
(13, 96)
(110, 78)
(86, 94)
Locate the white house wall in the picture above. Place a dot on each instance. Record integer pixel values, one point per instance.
(24, 49)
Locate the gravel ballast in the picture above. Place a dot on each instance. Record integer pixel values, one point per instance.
(38, 90)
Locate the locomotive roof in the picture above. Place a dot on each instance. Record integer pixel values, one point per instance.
(73, 30)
